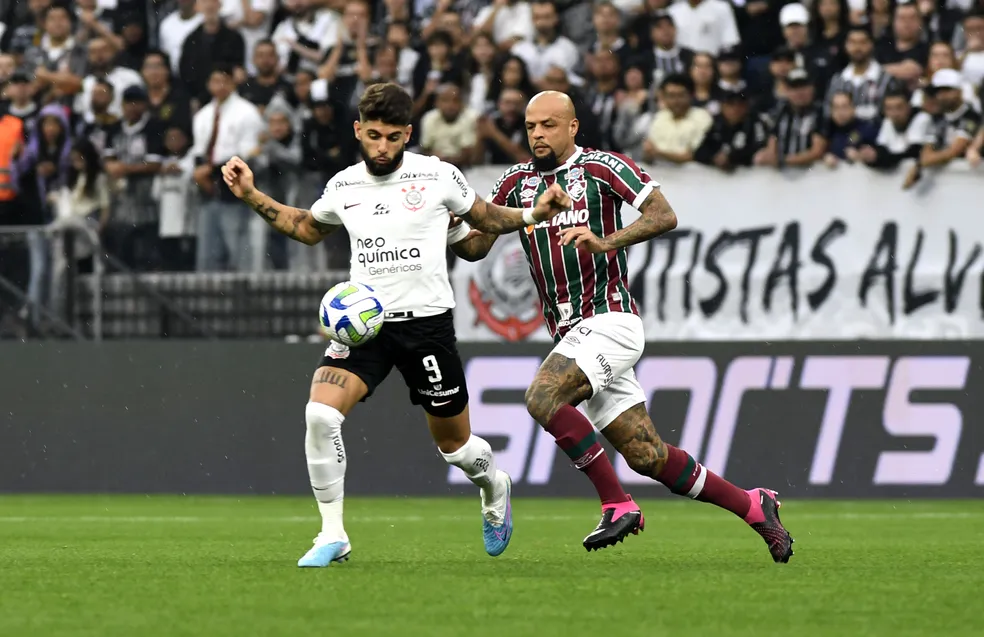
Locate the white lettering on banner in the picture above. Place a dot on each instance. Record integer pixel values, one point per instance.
(814, 256)
(940, 421)
(714, 408)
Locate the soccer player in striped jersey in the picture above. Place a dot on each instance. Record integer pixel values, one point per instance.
(578, 262)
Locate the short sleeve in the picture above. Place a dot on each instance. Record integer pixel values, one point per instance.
(324, 210)
(502, 187)
(625, 178)
(459, 197)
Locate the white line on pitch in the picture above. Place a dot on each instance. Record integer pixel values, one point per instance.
(369, 519)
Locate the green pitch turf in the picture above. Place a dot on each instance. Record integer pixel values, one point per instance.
(217, 567)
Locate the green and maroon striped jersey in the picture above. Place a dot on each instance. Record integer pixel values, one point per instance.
(574, 284)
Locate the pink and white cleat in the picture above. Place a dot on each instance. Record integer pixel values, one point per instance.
(617, 521)
(763, 517)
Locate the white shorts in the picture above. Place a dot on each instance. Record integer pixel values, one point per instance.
(606, 347)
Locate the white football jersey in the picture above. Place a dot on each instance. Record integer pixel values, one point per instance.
(398, 226)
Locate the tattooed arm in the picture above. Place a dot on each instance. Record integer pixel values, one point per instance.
(496, 219)
(297, 224)
(657, 218)
(475, 246)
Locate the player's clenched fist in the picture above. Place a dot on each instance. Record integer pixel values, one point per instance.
(238, 176)
(553, 201)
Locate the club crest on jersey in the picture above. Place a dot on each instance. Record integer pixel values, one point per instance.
(576, 184)
(413, 198)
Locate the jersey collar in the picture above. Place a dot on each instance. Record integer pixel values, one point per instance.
(567, 164)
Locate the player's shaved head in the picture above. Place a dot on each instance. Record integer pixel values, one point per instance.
(551, 126)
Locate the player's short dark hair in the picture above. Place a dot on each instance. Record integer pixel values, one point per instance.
(898, 92)
(440, 37)
(387, 103)
(863, 29)
(222, 68)
(678, 79)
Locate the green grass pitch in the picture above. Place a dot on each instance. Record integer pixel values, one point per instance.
(217, 567)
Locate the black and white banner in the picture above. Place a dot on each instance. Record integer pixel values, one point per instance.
(817, 255)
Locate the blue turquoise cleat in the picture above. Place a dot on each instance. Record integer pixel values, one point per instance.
(497, 536)
(322, 555)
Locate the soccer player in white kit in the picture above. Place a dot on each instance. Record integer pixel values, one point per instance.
(395, 207)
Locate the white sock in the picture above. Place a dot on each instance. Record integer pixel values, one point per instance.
(326, 465)
(476, 460)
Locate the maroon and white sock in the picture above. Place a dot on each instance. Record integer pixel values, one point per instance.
(574, 434)
(685, 476)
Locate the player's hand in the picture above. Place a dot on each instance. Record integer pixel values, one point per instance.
(553, 201)
(973, 156)
(238, 176)
(583, 239)
(455, 221)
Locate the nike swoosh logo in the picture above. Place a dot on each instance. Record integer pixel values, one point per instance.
(446, 402)
(500, 535)
(350, 205)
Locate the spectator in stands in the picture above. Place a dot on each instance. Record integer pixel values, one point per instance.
(847, 132)
(898, 137)
(507, 21)
(482, 73)
(679, 127)
(705, 25)
(665, 57)
(398, 36)
(227, 126)
(878, 17)
(736, 134)
(173, 190)
(601, 95)
(20, 102)
(169, 103)
(449, 130)
(135, 41)
(253, 20)
(27, 32)
(729, 71)
(304, 37)
(103, 67)
(589, 134)
(606, 35)
(972, 56)
(940, 19)
(976, 148)
(385, 68)
(829, 23)
(904, 52)
(548, 47)
(278, 169)
(133, 159)
(954, 126)
(782, 64)
(434, 69)
(941, 56)
(175, 29)
(798, 137)
(211, 43)
(502, 133)
(510, 72)
(795, 19)
(266, 83)
(706, 92)
(350, 59)
(863, 78)
(95, 20)
(8, 66)
(98, 126)
(450, 23)
(760, 36)
(82, 200)
(56, 62)
(636, 106)
(300, 98)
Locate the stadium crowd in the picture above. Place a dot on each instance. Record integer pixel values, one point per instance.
(118, 113)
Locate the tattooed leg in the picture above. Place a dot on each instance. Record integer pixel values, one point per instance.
(634, 436)
(558, 387)
(334, 392)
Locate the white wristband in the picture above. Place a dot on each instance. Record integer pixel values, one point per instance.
(528, 217)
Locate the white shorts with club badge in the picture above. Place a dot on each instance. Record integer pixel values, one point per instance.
(606, 347)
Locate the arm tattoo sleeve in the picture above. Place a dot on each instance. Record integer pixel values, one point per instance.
(657, 218)
(474, 248)
(493, 218)
(296, 223)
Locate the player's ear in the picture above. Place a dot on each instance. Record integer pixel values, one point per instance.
(406, 135)
(575, 127)
(358, 130)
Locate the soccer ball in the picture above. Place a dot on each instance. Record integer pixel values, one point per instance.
(351, 314)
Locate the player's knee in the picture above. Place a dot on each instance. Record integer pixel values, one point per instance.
(324, 426)
(539, 403)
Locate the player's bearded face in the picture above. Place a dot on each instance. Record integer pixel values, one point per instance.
(544, 157)
(382, 154)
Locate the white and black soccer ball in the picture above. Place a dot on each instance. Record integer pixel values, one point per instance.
(351, 313)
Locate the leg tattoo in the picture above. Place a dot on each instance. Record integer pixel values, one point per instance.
(558, 382)
(634, 436)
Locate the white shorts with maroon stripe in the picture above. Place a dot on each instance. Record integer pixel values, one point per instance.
(606, 347)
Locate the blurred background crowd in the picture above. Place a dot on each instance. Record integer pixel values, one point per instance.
(118, 113)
